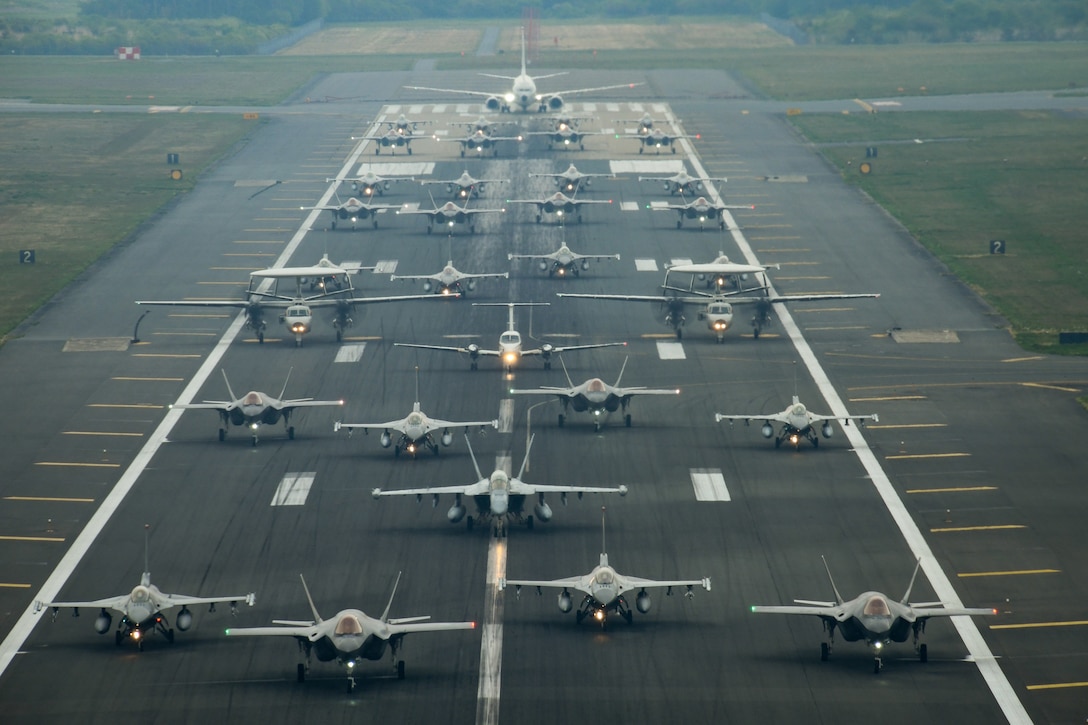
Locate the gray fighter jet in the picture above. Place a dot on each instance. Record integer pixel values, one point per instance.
(604, 588)
(350, 636)
(564, 262)
(874, 617)
(797, 422)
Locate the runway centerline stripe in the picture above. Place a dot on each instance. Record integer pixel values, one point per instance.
(100, 433)
(670, 350)
(293, 489)
(51, 588)
(917, 456)
(645, 265)
(709, 484)
(487, 694)
(48, 539)
(1005, 696)
(506, 415)
(76, 464)
(350, 353)
(13, 585)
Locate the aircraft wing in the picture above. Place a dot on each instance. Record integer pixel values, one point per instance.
(832, 611)
(115, 603)
(462, 350)
(573, 255)
(480, 488)
(626, 392)
(181, 600)
(935, 609)
(797, 298)
(580, 174)
(396, 628)
(581, 583)
(567, 348)
(720, 268)
(307, 403)
(700, 300)
(207, 405)
(632, 582)
(200, 303)
(576, 91)
(309, 632)
(558, 392)
(372, 300)
(770, 418)
(437, 423)
(461, 276)
(520, 488)
(481, 94)
(817, 418)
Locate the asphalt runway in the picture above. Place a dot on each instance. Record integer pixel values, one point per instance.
(978, 440)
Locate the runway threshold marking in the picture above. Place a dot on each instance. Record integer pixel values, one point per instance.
(139, 406)
(907, 425)
(50, 589)
(709, 484)
(350, 353)
(1004, 695)
(76, 464)
(293, 489)
(100, 433)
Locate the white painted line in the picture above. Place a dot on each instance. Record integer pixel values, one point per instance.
(71, 559)
(636, 107)
(415, 110)
(630, 206)
(397, 168)
(660, 107)
(463, 108)
(679, 260)
(506, 415)
(709, 484)
(439, 108)
(385, 266)
(670, 350)
(350, 353)
(655, 205)
(646, 265)
(655, 167)
(980, 653)
(391, 109)
(612, 107)
(293, 489)
(411, 205)
(589, 107)
(608, 131)
(442, 132)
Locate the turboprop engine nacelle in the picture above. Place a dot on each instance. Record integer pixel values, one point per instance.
(564, 602)
(184, 620)
(102, 622)
(642, 601)
(456, 513)
(767, 430)
(827, 430)
(447, 438)
(543, 511)
(385, 440)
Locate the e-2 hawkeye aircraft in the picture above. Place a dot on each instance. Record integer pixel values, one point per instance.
(297, 310)
(604, 588)
(510, 349)
(874, 617)
(143, 610)
(350, 636)
(499, 497)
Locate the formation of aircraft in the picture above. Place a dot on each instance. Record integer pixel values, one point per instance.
(572, 180)
(143, 610)
(500, 497)
(559, 204)
(371, 184)
(595, 396)
(398, 134)
(797, 422)
(350, 637)
(563, 262)
(874, 617)
(684, 184)
(255, 409)
(353, 210)
(510, 349)
(523, 93)
(604, 588)
(450, 281)
(715, 309)
(703, 210)
(297, 309)
(465, 187)
(415, 429)
(449, 214)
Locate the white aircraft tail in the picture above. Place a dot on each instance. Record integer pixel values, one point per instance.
(569, 381)
(838, 597)
(604, 549)
(622, 368)
(525, 461)
(146, 578)
(283, 393)
(385, 614)
(313, 609)
(910, 586)
(472, 454)
(524, 71)
(230, 392)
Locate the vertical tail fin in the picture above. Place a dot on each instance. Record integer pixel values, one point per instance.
(284, 391)
(910, 586)
(225, 380)
(479, 476)
(569, 381)
(416, 407)
(838, 597)
(525, 461)
(385, 614)
(604, 549)
(622, 368)
(524, 71)
(317, 617)
(147, 566)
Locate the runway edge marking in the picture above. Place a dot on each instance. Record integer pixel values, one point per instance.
(984, 659)
(82, 543)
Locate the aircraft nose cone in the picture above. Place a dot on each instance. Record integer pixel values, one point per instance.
(499, 503)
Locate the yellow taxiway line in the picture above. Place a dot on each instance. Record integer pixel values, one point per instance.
(954, 489)
(49, 499)
(1015, 572)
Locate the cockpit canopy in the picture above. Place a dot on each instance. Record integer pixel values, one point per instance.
(500, 481)
(877, 606)
(720, 308)
(349, 624)
(798, 410)
(298, 311)
(510, 338)
(415, 419)
(140, 594)
(605, 577)
(596, 385)
(253, 398)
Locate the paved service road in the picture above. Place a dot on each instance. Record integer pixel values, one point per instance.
(975, 463)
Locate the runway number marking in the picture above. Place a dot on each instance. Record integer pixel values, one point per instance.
(709, 484)
(293, 489)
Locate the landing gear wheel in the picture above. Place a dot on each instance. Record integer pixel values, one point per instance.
(537, 218)
(755, 333)
(579, 616)
(339, 335)
(170, 636)
(923, 653)
(825, 651)
(628, 616)
(117, 637)
(777, 442)
(679, 224)
(473, 366)
(679, 334)
(222, 434)
(396, 452)
(291, 433)
(300, 674)
(400, 669)
(351, 685)
(430, 229)
(260, 338)
(529, 522)
(468, 523)
(254, 441)
(877, 664)
(140, 645)
(596, 426)
(815, 442)
(627, 420)
(562, 419)
(547, 364)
